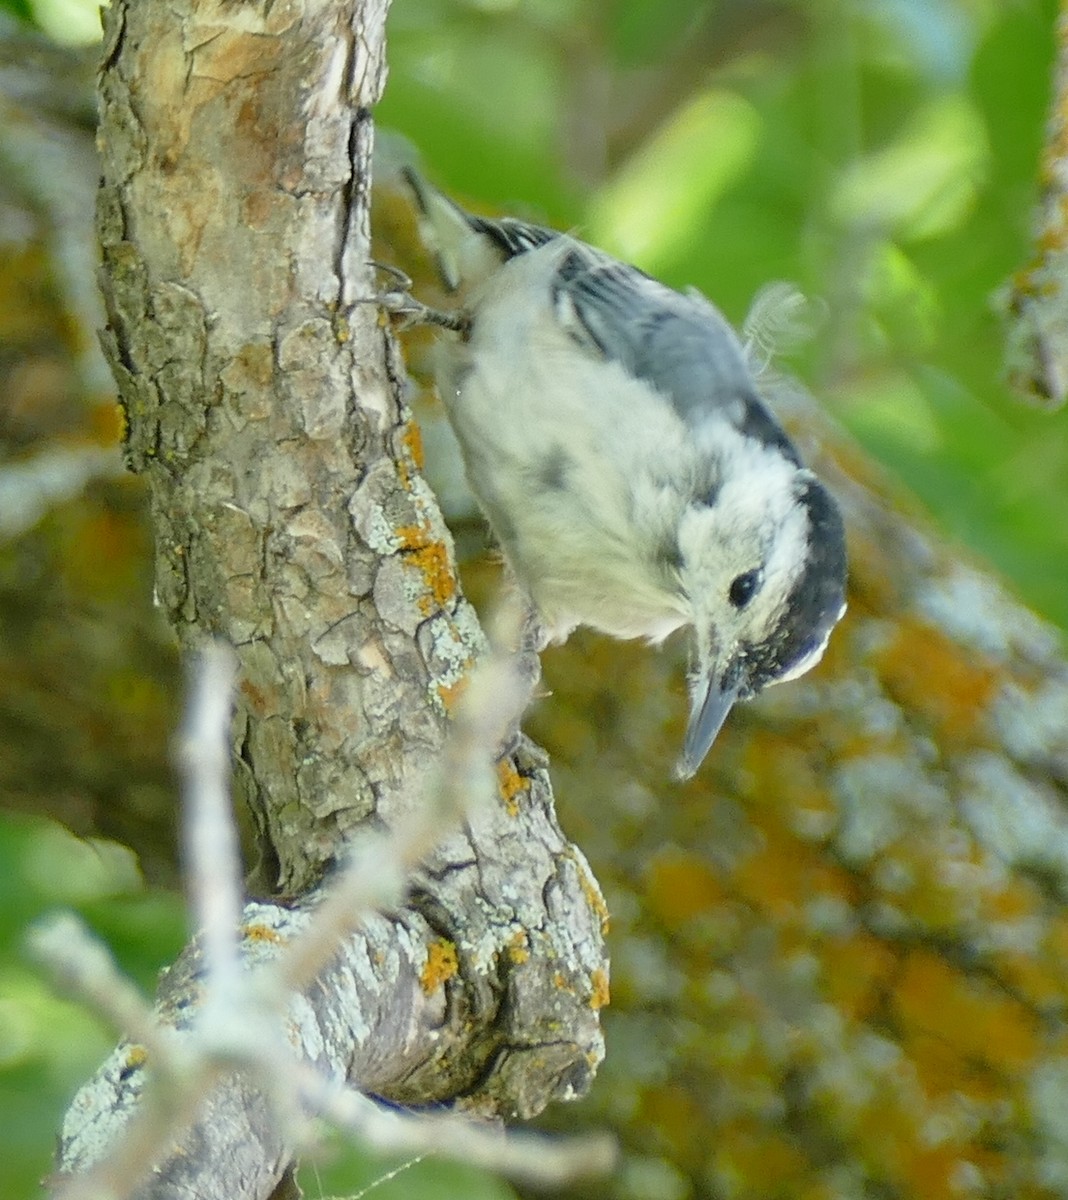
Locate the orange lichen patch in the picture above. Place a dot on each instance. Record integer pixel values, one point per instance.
(561, 982)
(412, 441)
(411, 455)
(940, 1067)
(838, 657)
(855, 972)
(943, 1071)
(680, 886)
(262, 934)
(1013, 900)
(1040, 981)
(450, 693)
(509, 785)
(136, 1056)
(884, 1128)
(441, 965)
(968, 1016)
(107, 423)
(518, 948)
(928, 674)
(432, 558)
(600, 996)
(784, 874)
(779, 772)
(678, 1121)
(931, 1171)
(768, 1164)
(893, 1136)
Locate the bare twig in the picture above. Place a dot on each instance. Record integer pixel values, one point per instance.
(529, 1157)
(82, 966)
(212, 858)
(243, 1021)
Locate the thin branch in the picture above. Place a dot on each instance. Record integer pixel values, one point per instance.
(243, 1021)
(212, 856)
(525, 1157)
(82, 967)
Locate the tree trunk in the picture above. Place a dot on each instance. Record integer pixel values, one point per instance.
(263, 406)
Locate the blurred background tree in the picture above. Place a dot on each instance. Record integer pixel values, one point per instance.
(882, 154)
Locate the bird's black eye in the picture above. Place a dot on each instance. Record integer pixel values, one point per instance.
(743, 588)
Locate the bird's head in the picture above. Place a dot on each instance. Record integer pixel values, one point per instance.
(763, 567)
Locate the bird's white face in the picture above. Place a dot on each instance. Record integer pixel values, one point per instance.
(743, 552)
(763, 568)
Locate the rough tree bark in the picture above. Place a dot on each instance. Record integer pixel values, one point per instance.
(292, 521)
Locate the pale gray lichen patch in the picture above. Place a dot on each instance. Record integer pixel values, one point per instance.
(829, 916)
(303, 1029)
(882, 797)
(860, 1066)
(1023, 822)
(647, 1178)
(101, 1110)
(1034, 725)
(267, 928)
(862, 700)
(372, 508)
(655, 977)
(450, 643)
(975, 610)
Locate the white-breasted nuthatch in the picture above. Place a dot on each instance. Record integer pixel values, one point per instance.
(613, 433)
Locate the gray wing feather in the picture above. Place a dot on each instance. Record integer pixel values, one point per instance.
(681, 345)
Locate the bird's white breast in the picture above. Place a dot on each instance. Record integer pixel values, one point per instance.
(574, 461)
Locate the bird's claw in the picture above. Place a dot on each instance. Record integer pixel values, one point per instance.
(400, 303)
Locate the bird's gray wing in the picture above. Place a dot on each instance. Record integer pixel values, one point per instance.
(679, 344)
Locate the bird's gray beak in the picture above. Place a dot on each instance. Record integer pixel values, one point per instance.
(710, 709)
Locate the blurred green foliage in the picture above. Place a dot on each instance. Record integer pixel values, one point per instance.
(49, 1046)
(69, 22)
(882, 154)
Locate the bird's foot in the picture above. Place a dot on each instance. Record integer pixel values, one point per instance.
(399, 302)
